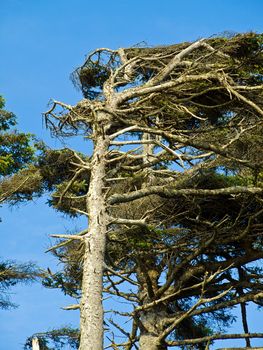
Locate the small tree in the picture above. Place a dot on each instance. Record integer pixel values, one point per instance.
(16, 153)
(178, 216)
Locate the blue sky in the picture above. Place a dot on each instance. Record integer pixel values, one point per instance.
(42, 42)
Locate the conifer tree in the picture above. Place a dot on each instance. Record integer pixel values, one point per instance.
(16, 152)
(172, 190)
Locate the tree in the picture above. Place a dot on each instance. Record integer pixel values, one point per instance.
(16, 153)
(179, 216)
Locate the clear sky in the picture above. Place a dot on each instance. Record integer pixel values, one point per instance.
(41, 43)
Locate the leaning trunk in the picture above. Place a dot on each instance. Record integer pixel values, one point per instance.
(91, 309)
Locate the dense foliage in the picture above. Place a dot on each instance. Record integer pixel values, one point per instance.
(15, 147)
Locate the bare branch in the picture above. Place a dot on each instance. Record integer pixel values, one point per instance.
(167, 192)
(214, 337)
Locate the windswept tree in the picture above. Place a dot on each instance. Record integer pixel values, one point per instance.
(172, 190)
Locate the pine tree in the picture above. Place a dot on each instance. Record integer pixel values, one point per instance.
(16, 152)
(172, 191)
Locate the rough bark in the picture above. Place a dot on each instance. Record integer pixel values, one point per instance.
(150, 342)
(91, 309)
(151, 321)
(150, 331)
(201, 113)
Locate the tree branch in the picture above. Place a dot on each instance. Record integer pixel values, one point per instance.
(167, 192)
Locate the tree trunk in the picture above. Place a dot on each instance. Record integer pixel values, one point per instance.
(91, 309)
(150, 342)
(151, 328)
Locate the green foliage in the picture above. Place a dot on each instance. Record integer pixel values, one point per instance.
(49, 172)
(16, 148)
(16, 153)
(57, 167)
(7, 119)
